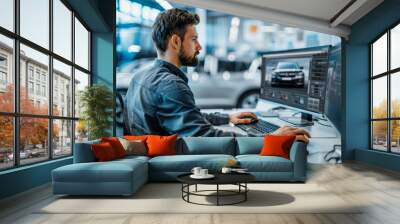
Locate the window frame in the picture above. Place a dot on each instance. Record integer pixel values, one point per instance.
(15, 68)
(388, 74)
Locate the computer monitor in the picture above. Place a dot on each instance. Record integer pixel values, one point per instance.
(296, 78)
(333, 99)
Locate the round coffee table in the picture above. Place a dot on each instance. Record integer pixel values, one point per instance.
(238, 179)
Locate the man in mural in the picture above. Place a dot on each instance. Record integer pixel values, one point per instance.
(159, 100)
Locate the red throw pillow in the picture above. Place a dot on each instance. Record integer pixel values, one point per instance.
(116, 145)
(103, 151)
(276, 145)
(161, 145)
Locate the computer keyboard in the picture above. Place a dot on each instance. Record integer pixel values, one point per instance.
(258, 128)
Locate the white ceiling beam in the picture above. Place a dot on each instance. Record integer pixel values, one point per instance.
(269, 15)
(348, 12)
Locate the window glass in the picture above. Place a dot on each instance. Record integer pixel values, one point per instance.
(62, 29)
(81, 81)
(395, 94)
(379, 98)
(81, 45)
(39, 62)
(6, 142)
(7, 14)
(395, 47)
(33, 140)
(62, 138)
(35, 21)
(379, 56)
(395, 136)
(379, 135)
(62, 91)
(6, 74)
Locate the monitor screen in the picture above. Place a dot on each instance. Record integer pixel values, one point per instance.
(288, 74)
(296, 78)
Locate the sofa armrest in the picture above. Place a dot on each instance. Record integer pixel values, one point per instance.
(298, 155)
(83, 152)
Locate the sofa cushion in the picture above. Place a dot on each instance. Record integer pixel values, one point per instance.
(116, 145)
(185, 163)
(257, 163)
(161, 145)
(206, 145)
(132, 158)
(83, 152)
(103, 152)
(134, 147)
(112, 171)
(249, 145)
(277, 145)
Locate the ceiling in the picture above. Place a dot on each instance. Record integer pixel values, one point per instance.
(326, 16)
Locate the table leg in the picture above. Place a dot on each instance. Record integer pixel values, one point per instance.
(188, 189)
(196, 188)
(245, 193)
(217, 194)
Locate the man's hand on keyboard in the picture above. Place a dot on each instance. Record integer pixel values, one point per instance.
(301, 134)
(242, 118)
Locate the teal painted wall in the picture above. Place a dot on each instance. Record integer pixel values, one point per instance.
(103, 63)
(24, 178)
(357, 84)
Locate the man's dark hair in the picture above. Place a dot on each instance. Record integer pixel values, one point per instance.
(172, 21)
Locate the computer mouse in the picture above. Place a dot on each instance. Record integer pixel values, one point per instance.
(252, 119)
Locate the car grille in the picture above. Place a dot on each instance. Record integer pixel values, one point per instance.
(287, 74)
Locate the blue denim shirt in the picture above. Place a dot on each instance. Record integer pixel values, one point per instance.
(159, 101)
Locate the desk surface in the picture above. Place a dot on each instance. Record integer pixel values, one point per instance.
(321, 129)
(324, 136)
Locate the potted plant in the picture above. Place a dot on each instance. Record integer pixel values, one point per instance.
(96, 104)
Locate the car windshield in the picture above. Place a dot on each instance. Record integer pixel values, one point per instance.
(286, 65)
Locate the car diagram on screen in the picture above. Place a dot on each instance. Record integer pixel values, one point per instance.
(289, 74)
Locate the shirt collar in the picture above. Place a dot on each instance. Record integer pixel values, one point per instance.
(175, 70)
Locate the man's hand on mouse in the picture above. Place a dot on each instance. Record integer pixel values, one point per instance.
(249, 117)
(301, 134)
(242, 118)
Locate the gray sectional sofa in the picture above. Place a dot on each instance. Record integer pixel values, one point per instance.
(125, 176)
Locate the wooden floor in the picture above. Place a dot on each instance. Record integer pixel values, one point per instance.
(377, 188)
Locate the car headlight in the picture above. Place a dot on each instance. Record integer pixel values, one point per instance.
(299, 76)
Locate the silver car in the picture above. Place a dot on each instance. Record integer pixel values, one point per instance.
(216, 83)
(219, 83)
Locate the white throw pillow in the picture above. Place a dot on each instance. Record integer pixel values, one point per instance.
(136, 147)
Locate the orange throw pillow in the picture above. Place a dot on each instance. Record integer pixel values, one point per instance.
(161, 145)
(276, 145)
(136, 137)
(103, 151)
(116, 145)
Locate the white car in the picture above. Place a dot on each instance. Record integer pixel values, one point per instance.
(216, 83)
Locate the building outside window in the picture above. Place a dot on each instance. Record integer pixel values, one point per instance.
(30, 72)
(38, 89)
(43, 90)
(34, 74)
(37, 74)
(3, 78)
(30, 87)
(3, 60)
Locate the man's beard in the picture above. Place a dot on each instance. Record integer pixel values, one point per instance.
(187, 60)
